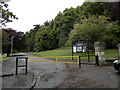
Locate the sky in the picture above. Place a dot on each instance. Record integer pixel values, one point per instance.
(32, 12)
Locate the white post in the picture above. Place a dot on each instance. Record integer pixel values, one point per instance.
(99, 50)
(118, 50)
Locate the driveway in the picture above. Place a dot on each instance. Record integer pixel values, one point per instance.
(40, 74)
(57, 75)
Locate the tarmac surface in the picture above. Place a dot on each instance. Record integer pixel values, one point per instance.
(57, 75)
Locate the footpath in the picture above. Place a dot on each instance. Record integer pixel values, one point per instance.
(57, 75)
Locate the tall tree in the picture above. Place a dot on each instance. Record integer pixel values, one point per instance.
(45, 39)
(5, 42)
(89, 28)
(30, 37)
(114, 9)
(18, 39)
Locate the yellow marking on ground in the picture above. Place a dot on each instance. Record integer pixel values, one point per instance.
(78, 60)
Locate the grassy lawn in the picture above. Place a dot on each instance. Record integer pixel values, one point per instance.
(3, 57)
(109, 54)
(66, 52)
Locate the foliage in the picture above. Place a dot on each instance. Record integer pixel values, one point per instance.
(30, 37)
(45, 39)
(92, 20)
(91, 8)
(114, 9)
(89, 29)
(5, 41)
(6, 15)
(18, 40)
(63, 24)
(111, 35)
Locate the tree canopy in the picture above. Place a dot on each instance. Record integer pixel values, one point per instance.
(5, 14)
(93, 20)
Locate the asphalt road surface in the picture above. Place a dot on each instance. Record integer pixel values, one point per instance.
(57, 75)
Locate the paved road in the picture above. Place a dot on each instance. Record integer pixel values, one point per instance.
(49, 73)
(58, 75)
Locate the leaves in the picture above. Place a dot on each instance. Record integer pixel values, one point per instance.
(7, 16)
(90, 21)
(89, 28)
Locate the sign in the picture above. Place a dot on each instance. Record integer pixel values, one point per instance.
(74, 49)
(79, 48)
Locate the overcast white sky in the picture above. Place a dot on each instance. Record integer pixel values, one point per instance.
(31, 12)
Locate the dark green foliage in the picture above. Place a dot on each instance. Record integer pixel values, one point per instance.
(89, 28)
(111, 35)
(45, 39)
(92, 20)
(5, 42)
(18, 41)
(114, 9)
(30, 37)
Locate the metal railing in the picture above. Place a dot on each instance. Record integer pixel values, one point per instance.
(56, 59)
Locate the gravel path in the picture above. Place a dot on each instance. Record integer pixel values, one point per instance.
(90, 76)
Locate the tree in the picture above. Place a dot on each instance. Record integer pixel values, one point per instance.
(63, 24)
(18, 40)
(87, 21)
(114, 9)
(5, 42)
(6, 15)
(30, 37)
(91, 28)
(91, 8)
(45, 39)
(111, 35)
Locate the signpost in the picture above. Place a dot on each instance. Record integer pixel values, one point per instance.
(26, 63)
(80, 46)
(12, 45)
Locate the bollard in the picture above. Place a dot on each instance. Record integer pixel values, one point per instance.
(96, 58)
(79, 62)
(26, 65)
(26, 58)
(16, 65)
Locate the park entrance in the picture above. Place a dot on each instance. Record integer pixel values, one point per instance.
(85, 50)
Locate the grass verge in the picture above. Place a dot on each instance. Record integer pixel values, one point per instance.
(109, 54)
(4, 58)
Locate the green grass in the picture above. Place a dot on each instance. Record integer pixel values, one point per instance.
(54, 53)
(109, 54)
(66, 52)
(63, 52)
(4, 58)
